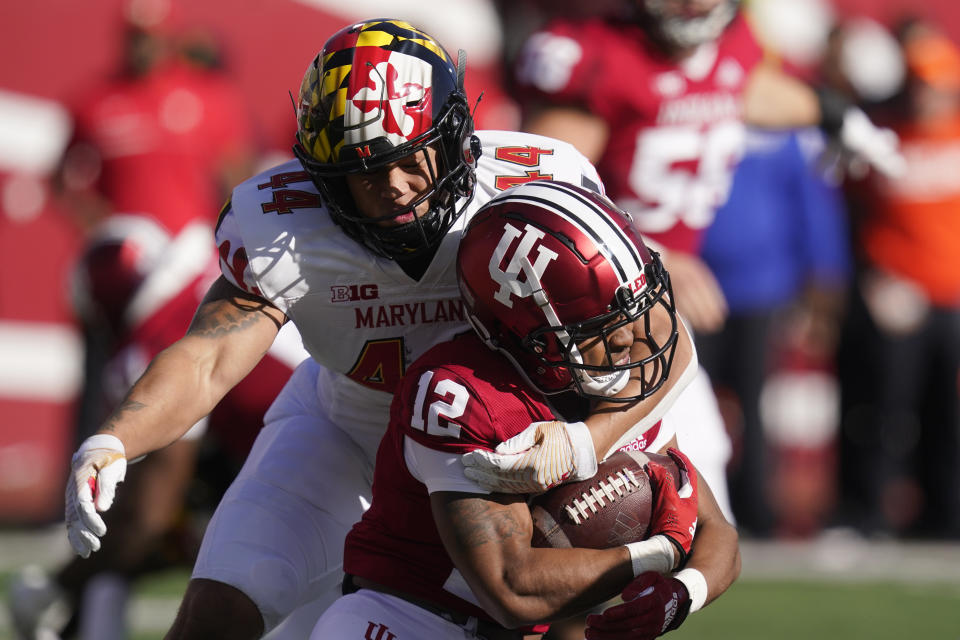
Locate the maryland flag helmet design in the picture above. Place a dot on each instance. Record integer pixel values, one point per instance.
(379, 91)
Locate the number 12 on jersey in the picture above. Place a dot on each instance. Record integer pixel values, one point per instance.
(427, 418)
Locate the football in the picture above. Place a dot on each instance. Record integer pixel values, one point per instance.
(610, 509)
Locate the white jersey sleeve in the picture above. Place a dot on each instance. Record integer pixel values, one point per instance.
(234, 265)
(510, 159)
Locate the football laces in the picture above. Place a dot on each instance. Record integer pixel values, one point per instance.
(616, 485)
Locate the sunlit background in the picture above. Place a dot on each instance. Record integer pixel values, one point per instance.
(53, 50)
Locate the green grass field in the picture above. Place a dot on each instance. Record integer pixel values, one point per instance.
(751, 610)
(808, 610)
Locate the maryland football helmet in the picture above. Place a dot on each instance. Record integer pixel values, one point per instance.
(670, 21)
(377, 92)
(548, 265)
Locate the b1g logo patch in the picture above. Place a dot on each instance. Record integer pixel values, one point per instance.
(354, 292)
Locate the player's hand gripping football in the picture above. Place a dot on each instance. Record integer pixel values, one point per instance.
(541, 456)
(674, 510)
(96, 468)
(652, 605)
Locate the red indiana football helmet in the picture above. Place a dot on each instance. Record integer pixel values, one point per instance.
(547, 265)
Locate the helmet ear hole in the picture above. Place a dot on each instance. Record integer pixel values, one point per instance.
(535, 343)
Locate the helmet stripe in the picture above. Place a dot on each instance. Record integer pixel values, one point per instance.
(388, 32)
(616, 246)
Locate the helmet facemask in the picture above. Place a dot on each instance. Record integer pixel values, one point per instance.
(555, 278)
(560, 346)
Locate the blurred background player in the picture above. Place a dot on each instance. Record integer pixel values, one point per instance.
(900, 348)
(129, 313)
(147, 165)
(779, 251)
(656, 92)
(166, 136)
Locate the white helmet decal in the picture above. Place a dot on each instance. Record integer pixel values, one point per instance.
(509, 280)
(390, 105)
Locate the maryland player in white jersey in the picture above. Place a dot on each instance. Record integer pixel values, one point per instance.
(377, 318)
(355, 242)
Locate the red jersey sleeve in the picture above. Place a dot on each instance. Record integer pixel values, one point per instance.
(461, 396)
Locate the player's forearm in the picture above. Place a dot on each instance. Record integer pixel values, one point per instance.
(584, 130)
(175, 392)
(772, 99)
(551, 584)
(488, 539)
(716, 550)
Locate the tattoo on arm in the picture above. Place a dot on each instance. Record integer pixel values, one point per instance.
(228, 309)
(479, 521)
(127, 406)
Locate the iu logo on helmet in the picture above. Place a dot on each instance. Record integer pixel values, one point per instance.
(509, 280)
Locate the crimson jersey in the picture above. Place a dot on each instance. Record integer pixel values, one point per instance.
(476, 403)
(153, 144)
(676, 129)
(457, 397)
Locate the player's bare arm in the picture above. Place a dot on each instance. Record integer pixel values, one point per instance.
(775, 100)
(228, 336)
(488, 538)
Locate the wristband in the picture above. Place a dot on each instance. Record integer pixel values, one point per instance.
(696, 586)
(102, 441)
(654, 554)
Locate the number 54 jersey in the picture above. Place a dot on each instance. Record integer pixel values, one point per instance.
(360, 315)
(675, 127)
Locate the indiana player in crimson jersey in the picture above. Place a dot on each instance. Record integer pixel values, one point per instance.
(560, 286)
(354, 241)
(657, 99)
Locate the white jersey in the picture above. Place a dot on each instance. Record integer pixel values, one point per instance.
(359, 314)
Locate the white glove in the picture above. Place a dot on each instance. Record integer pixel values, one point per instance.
(871, 144)
(541, 456)
(96, 468)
